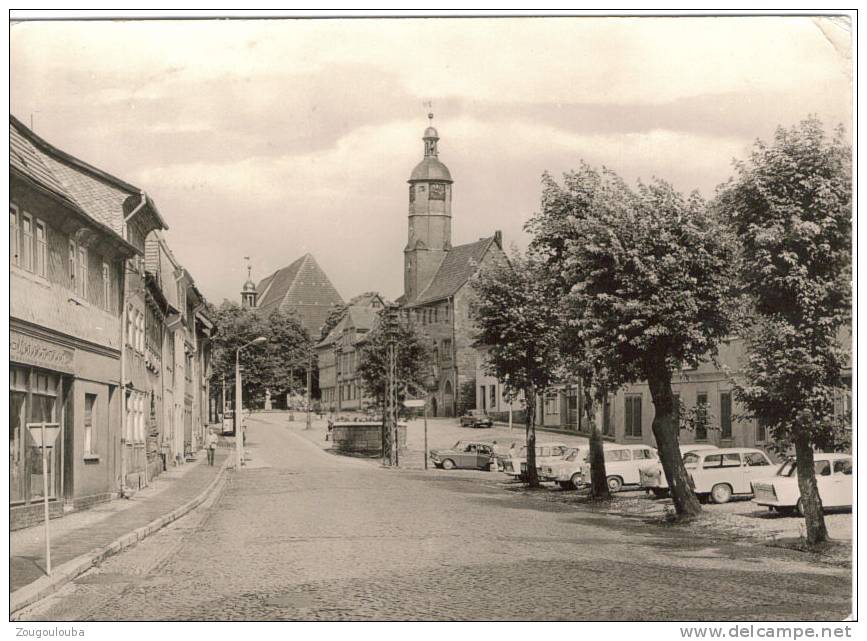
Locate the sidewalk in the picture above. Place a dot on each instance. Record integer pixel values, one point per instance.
(84, 533)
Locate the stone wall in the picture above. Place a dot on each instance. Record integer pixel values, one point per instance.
(362, 437)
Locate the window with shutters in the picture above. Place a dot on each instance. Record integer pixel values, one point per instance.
(72, 265)
(81, 281)
(106, 287)
(633, 415)
(14, 235)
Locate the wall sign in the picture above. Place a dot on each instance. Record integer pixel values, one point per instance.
(41, 353)
(437, 191)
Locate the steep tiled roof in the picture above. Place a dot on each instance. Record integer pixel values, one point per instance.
(460, 263)
(24, 157)
(301, 287)
(362, 317)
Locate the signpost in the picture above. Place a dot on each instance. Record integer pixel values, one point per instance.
(44, 435)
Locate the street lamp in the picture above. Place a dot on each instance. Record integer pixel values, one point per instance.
(239, 445)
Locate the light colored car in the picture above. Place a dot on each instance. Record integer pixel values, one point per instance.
(622, 463)
(833, 477)
(652, 476)
(516, 463)
(562, 470)
(724, 472)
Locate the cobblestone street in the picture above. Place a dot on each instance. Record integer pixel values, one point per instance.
(301, 534)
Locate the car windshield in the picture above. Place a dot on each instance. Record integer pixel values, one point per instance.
(458, 446)
(690, 459)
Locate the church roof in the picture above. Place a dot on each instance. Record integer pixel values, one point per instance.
(431, 169)
(301, 287)
(459, 265)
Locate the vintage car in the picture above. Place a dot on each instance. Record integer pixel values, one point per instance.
(721, 473)
(652, 477)
(562, 470)
(476, 418)
(833, 477)
(467, 455)
(622, 463)
(516, 463)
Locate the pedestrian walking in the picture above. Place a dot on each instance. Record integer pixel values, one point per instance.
(212, 446)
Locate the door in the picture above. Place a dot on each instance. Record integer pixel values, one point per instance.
(483, 457)
(825, 481)
(640, 457)
(840, 492)
(756, 466)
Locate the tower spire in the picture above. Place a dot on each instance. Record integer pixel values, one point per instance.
(249, 295)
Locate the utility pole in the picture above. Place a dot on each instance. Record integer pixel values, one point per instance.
(309, 365)
(390, 453)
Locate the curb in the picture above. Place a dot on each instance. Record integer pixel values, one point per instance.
(60, 576)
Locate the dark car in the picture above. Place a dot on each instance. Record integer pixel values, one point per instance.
(466, 455)
(476, 418)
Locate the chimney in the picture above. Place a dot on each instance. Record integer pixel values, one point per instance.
(498, 238)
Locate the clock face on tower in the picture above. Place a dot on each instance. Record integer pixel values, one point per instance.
(437, 191)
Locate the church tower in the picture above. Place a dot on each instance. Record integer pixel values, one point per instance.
(430, 218)
(249, 295)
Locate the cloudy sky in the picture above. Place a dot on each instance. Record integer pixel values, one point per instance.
(272, 138)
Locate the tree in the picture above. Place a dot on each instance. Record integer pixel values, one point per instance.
(650, 274)
(790, 204)
(412, 363)
(519, 323)
(268, 366)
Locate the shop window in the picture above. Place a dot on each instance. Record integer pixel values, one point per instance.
(43, 408)
(89, 403)
(633, 415)
(17, 432)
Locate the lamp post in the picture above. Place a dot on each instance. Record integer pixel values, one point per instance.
(309, 365)
(239, 429)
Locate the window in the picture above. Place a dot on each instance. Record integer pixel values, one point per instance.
(725, 415)
(446, 311)
(823, 468)
(41, 249)
(701, 417)
(551, 405)
(26, 242)
(843, 466)
(731, 460)
(89, 402)
(140, 335)
(761, 431)
(73, 257)
(633, 416)
(81, 282)
(436, 313)
(447, 349)
(14, 236)
(643, 454)
(754, 459)
(106, 287)
(612, 456)
(493, 396)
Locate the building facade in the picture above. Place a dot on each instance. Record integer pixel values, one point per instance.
(337, 355)
(437, 296)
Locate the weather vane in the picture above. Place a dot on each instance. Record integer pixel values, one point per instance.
(249, 268)
(429, 105)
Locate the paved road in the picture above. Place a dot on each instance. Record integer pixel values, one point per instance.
(303, 534)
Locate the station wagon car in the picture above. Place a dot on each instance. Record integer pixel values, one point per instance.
(516, 463)
(721, 473)
(476, 418)
(833, 478)
(652, 476)
(467, 455)
(622, 464)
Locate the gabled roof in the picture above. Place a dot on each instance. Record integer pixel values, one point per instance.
(459, 265)
(301, 287)
(360, 315)
(96, 193)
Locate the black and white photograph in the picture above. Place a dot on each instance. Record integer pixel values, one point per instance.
(419, 316)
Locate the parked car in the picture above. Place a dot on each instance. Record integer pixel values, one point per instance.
(652, 476)
(476, 418)
(833, 476)
(467, 455)
(622, 462)
(721, 473)
(516, 463)
(562, 470)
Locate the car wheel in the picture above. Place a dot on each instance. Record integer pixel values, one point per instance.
(721, 493)
(615, 483)
(660, 492)
(575, 481)
(448, 464)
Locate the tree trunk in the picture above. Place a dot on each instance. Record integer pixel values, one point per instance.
(598, 477)
(665, 429)
(532, 474)
(811, 502)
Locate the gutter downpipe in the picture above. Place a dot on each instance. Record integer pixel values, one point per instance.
(123, 320)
